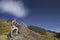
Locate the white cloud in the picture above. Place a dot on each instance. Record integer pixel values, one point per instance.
(15, 8)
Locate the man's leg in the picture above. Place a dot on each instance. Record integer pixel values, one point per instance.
(17, 30)
(12, 32)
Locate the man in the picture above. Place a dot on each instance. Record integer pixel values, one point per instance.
(13, 27)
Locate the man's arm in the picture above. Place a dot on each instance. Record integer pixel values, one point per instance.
(12, 24)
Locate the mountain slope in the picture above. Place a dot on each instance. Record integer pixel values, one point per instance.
(45, 34)
(4, 26)
(27, 32)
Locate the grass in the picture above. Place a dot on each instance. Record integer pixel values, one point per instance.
(5, 28)
(3, 37)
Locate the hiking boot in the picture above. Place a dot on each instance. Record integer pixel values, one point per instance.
(11, 36)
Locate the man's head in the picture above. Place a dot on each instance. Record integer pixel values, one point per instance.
(14, 19)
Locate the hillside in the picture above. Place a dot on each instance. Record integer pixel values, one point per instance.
(4, 26)
(27, 32)
(45, 34)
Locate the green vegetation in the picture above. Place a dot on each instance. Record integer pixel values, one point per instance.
(44, 34)
(38, 32)
(37, 29)
(4, 26)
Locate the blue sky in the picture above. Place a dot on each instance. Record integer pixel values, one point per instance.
(42, 13)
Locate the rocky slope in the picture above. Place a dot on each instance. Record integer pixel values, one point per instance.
(25, 34)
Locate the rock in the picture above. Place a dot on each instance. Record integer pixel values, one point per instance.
(25, 34)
